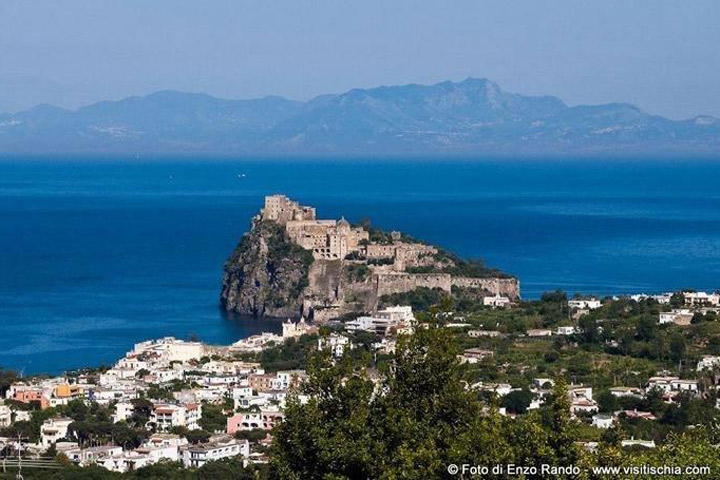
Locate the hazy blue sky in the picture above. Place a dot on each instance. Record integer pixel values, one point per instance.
(662, 55)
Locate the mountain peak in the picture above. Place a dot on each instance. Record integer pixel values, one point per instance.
(479, 82)
(473, 116)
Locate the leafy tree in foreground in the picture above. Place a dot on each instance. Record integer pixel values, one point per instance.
(413, 423)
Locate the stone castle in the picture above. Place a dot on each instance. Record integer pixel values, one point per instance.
(334, 240)
(327, 239)
(353, 268)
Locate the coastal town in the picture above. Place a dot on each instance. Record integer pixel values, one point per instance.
(176, 383)
(193, 403)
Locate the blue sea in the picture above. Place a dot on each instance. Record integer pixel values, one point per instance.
(99, 253)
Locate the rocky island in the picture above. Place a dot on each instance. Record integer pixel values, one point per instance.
(291, 264)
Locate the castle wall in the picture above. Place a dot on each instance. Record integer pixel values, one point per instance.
(509, 287)
(388, 283)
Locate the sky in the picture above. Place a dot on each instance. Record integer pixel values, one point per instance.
(661, 55)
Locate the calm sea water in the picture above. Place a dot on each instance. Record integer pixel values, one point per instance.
(96, 254)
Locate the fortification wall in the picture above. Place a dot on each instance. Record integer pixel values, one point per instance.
(327, 297)
(388, 283)
(509, 287)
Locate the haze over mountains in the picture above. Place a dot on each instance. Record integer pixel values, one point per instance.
(471, 117)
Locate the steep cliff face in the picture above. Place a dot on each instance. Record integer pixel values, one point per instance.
(266, 274)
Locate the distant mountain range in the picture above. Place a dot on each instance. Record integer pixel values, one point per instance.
(471, 117)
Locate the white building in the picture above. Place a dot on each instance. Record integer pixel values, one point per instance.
(620, 392)
(581, 399)
(165, 440)
(499, 389)
(284, 379)
(475, 355)
(385, 346)
(397, 319)
(219, 367)
(638, 443)
(53, 429)
(161, 451)
(5, 415)
(115, 375)
(126, 461)
(259, 400)
(672, 384)
(257, 343)
(398, 313)
(123, 411)
(115, 392)
(219, 447)
(496, 301)
(483, 333)
(165, 375)
(684, 385)
(701, 298)
(167, 415)
(663, 299)
(708, 362)
(661, 383)
(131, 363)
(295, 330)
(360, 324)
(91, 455)
(170, 349)
(602, 421)
(539, 332)
(337, 344)
(568, 330)
(160, 446)
(678, 316)
(22, 415)
(580, 391)
(584, 304)
(583, 406)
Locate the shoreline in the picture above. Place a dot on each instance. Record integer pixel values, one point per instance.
(280, 320)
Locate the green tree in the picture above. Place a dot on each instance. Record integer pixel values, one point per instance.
(213, 419)
(696, 447)
(563, 431)
(126, 436)
(677, 347)
(197, 436)
(517, 401)
(588, 329)
(677, 300)
(653, 401)
(713, 345)
(607, 402)
(142, 409)
(419, 418)
(646, 328)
